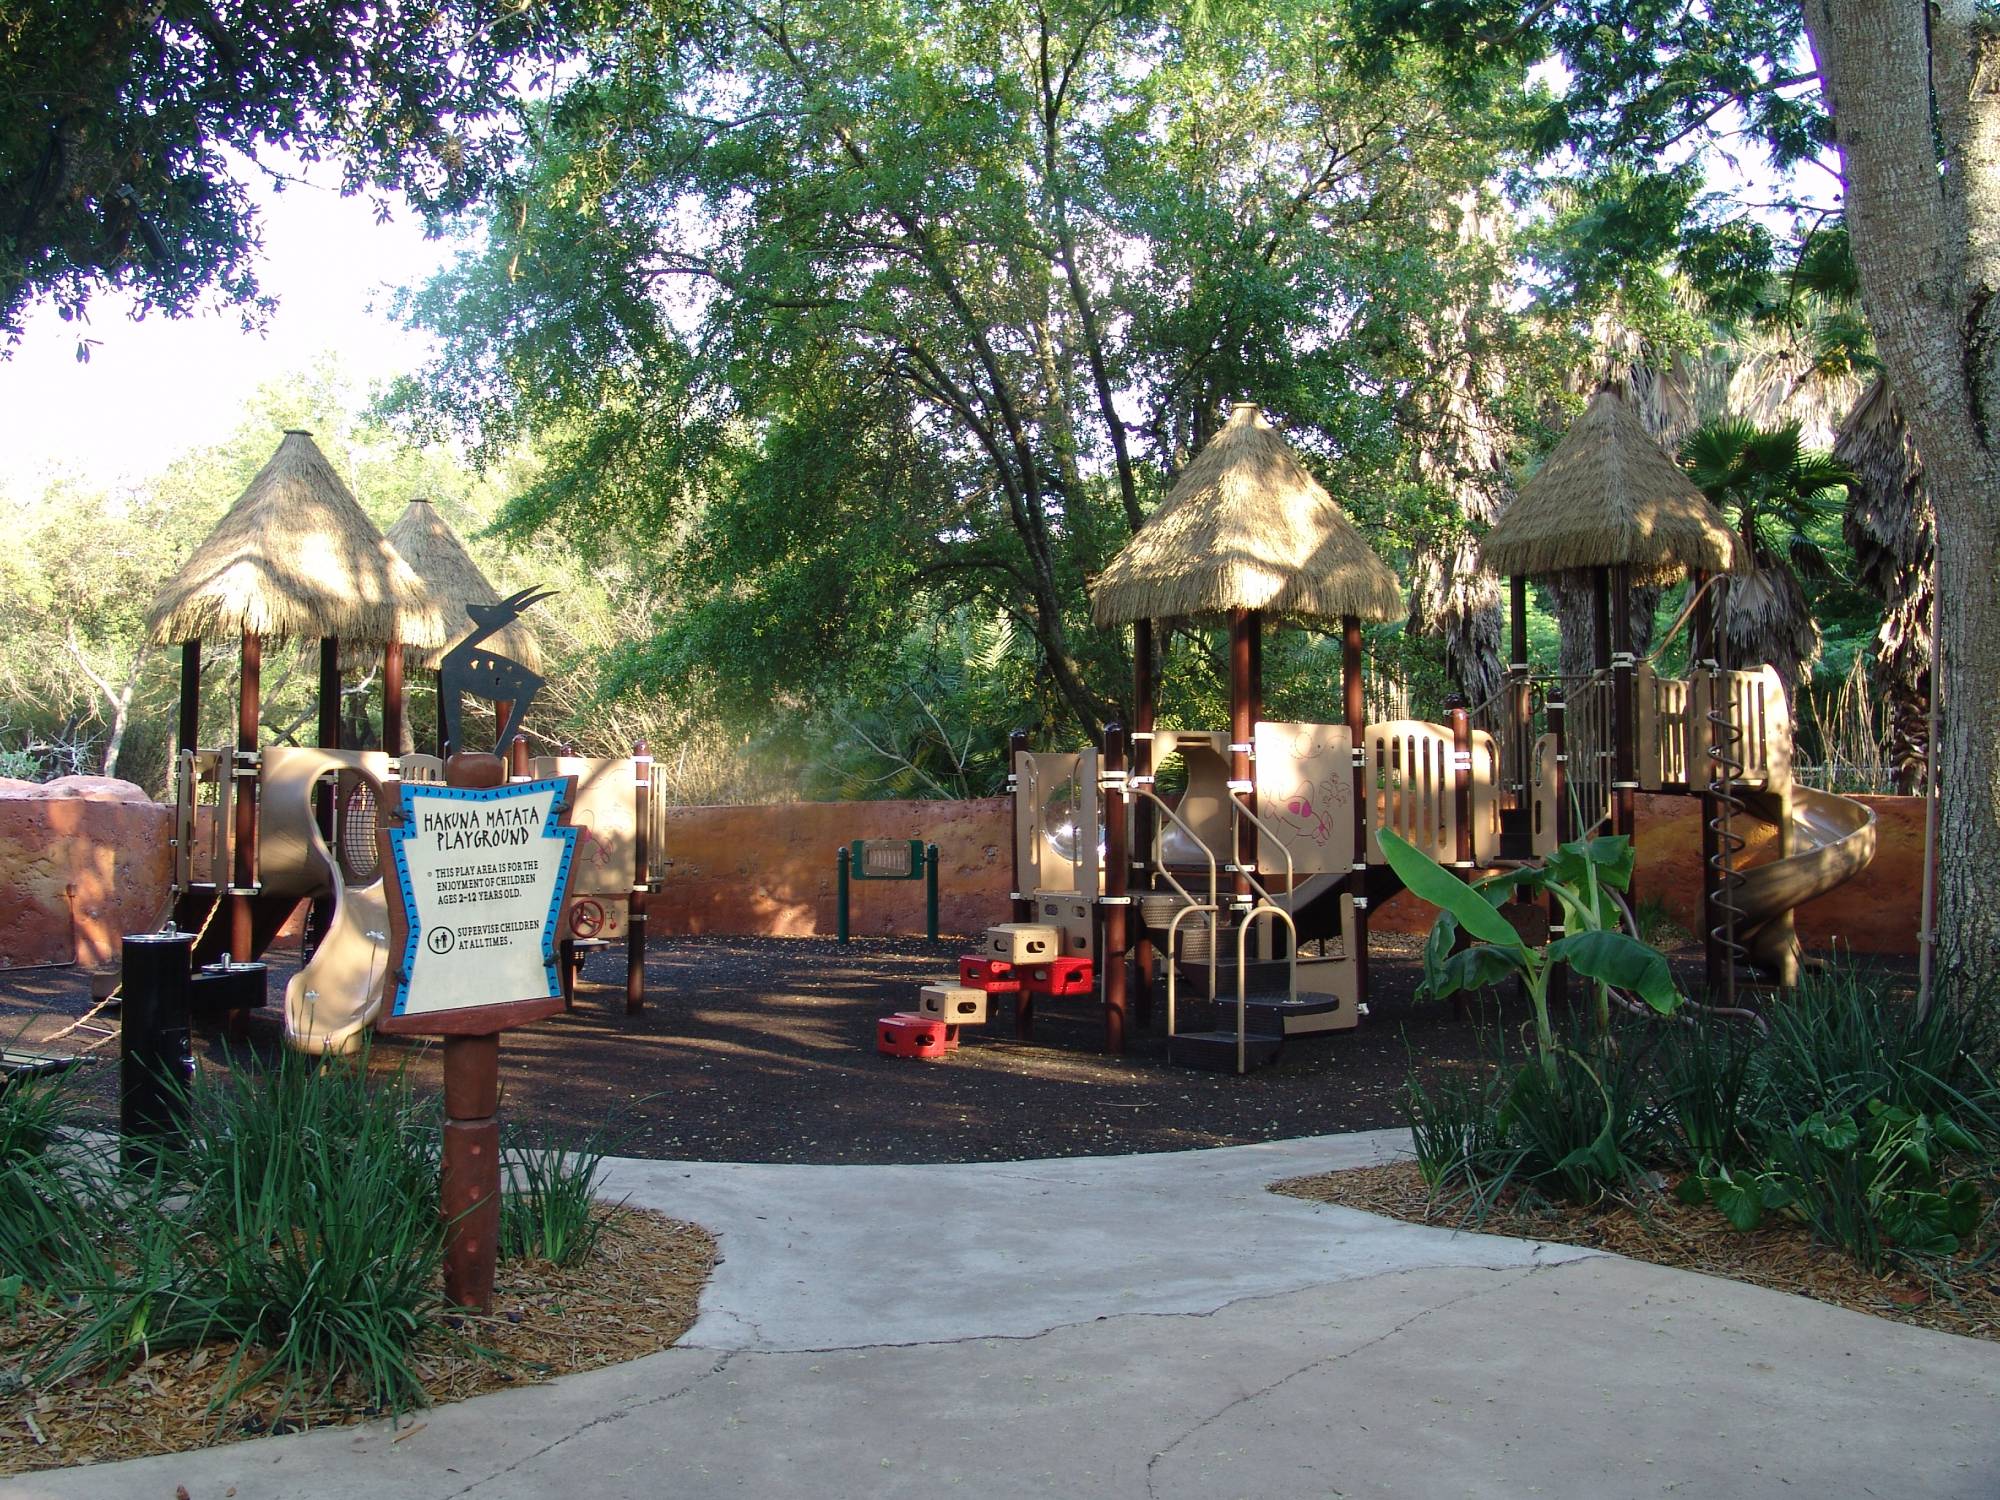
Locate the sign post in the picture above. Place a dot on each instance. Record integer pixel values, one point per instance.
(480, 869)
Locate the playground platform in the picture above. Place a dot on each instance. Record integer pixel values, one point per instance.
(1161, 1326)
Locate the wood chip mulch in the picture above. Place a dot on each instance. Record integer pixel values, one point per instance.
(634, 1295)
(1661, 1229)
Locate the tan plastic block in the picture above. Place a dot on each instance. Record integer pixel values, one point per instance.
(953, 1003)
(1074, 916)
(1024, 942)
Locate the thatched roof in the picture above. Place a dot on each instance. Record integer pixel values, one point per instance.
(1609, 496)
(295, 558)
(433, 550)
(1246, 527)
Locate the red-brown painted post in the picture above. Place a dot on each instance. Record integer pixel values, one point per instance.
(1461, 783)
(1145, 706)
(392, 699)
(189, 729)
(469, 1195)
(1559, 788)
(1023, 901)
(1355, 708)
(1521, 699)
(642, 854)
(1701, 651)
(329, 739)
(1117, 900)
(1242, 726)
(1600, 660)
(243, 776)
(1624, 716)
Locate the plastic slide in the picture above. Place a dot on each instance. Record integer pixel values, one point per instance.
(1833, 839)
(332, 1000)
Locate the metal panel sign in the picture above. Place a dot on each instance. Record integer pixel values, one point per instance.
(481, 874)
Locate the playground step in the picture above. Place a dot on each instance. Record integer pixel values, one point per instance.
(1215, 1051)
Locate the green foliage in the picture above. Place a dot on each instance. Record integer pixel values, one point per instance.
(549, 1208)
(132, 131)
(835, 382)
(1583, 876)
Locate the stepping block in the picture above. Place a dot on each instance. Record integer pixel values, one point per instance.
(1060, 977)
(1024, 942)
(908, 1035)
(996, 976)
(954, 1004)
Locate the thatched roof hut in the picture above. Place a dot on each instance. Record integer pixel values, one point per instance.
(1609, 496)
(1247, 527)
(425, 540)
(295, 558)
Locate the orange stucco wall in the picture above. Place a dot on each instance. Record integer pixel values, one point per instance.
(85, 860)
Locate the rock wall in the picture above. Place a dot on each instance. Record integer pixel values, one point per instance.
(83, 860)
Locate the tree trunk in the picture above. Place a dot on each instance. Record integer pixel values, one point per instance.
(1927, 245)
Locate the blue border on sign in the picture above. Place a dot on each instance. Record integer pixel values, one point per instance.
(399, 835)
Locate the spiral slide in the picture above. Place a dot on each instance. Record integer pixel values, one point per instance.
(1833, 839)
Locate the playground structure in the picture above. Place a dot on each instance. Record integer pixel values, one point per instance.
(260, 829)
(1247, 897)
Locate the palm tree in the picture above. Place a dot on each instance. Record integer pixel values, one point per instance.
(1777, 493)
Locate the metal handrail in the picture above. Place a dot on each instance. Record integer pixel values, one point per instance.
(1214, 885)
(1243, 972)
(1172, 968)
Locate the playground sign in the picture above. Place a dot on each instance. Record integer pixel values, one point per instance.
(479, 875)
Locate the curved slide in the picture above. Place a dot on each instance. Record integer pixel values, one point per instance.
(1833, 839)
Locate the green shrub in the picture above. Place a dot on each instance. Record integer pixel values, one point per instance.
(1712, 1085)
(549, 1209)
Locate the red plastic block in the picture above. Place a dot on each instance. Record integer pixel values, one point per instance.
(1060, 977)
(906, 1035)
(996, 976)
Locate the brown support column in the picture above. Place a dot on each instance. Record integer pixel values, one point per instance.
(244, 783)
(642, 854)
(329, 694)
(1558, 714)
(1354, 707)
(329, 739)
(1624, 716)
(1701, 652)
(1521, 702)
(517, 757)
(1144, 715)
(501, 708)
(469, 1196)
(190, 708)
(1242, 707)
(392, 699)
(1023, 903)
(443, 749)
(1600, 660)
(1116, 899)
(1461, 783)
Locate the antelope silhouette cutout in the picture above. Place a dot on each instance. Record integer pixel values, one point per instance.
(465, 668)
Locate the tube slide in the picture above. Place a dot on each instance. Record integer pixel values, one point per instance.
(1833, 839)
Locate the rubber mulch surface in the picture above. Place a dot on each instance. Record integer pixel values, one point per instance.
(762, 1049)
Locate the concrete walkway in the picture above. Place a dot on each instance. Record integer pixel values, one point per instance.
(1161, 1326)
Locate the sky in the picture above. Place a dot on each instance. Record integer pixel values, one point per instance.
(153, 390)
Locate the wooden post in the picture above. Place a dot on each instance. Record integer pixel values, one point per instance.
(392, 699)
(243, 776)
(1701, 654)
(1116, 901)
(1355, 707)
(1461, 783)
(1024, 902)
(1559, 790)
(469, 1195)
(1242, 780)
(1145, 691)
(190, 708)
(443, 748)
(329, 739)
(1624, 715)
(1521, 704)
(642, 854)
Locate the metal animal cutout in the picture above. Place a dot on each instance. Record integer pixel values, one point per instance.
(465, 668)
